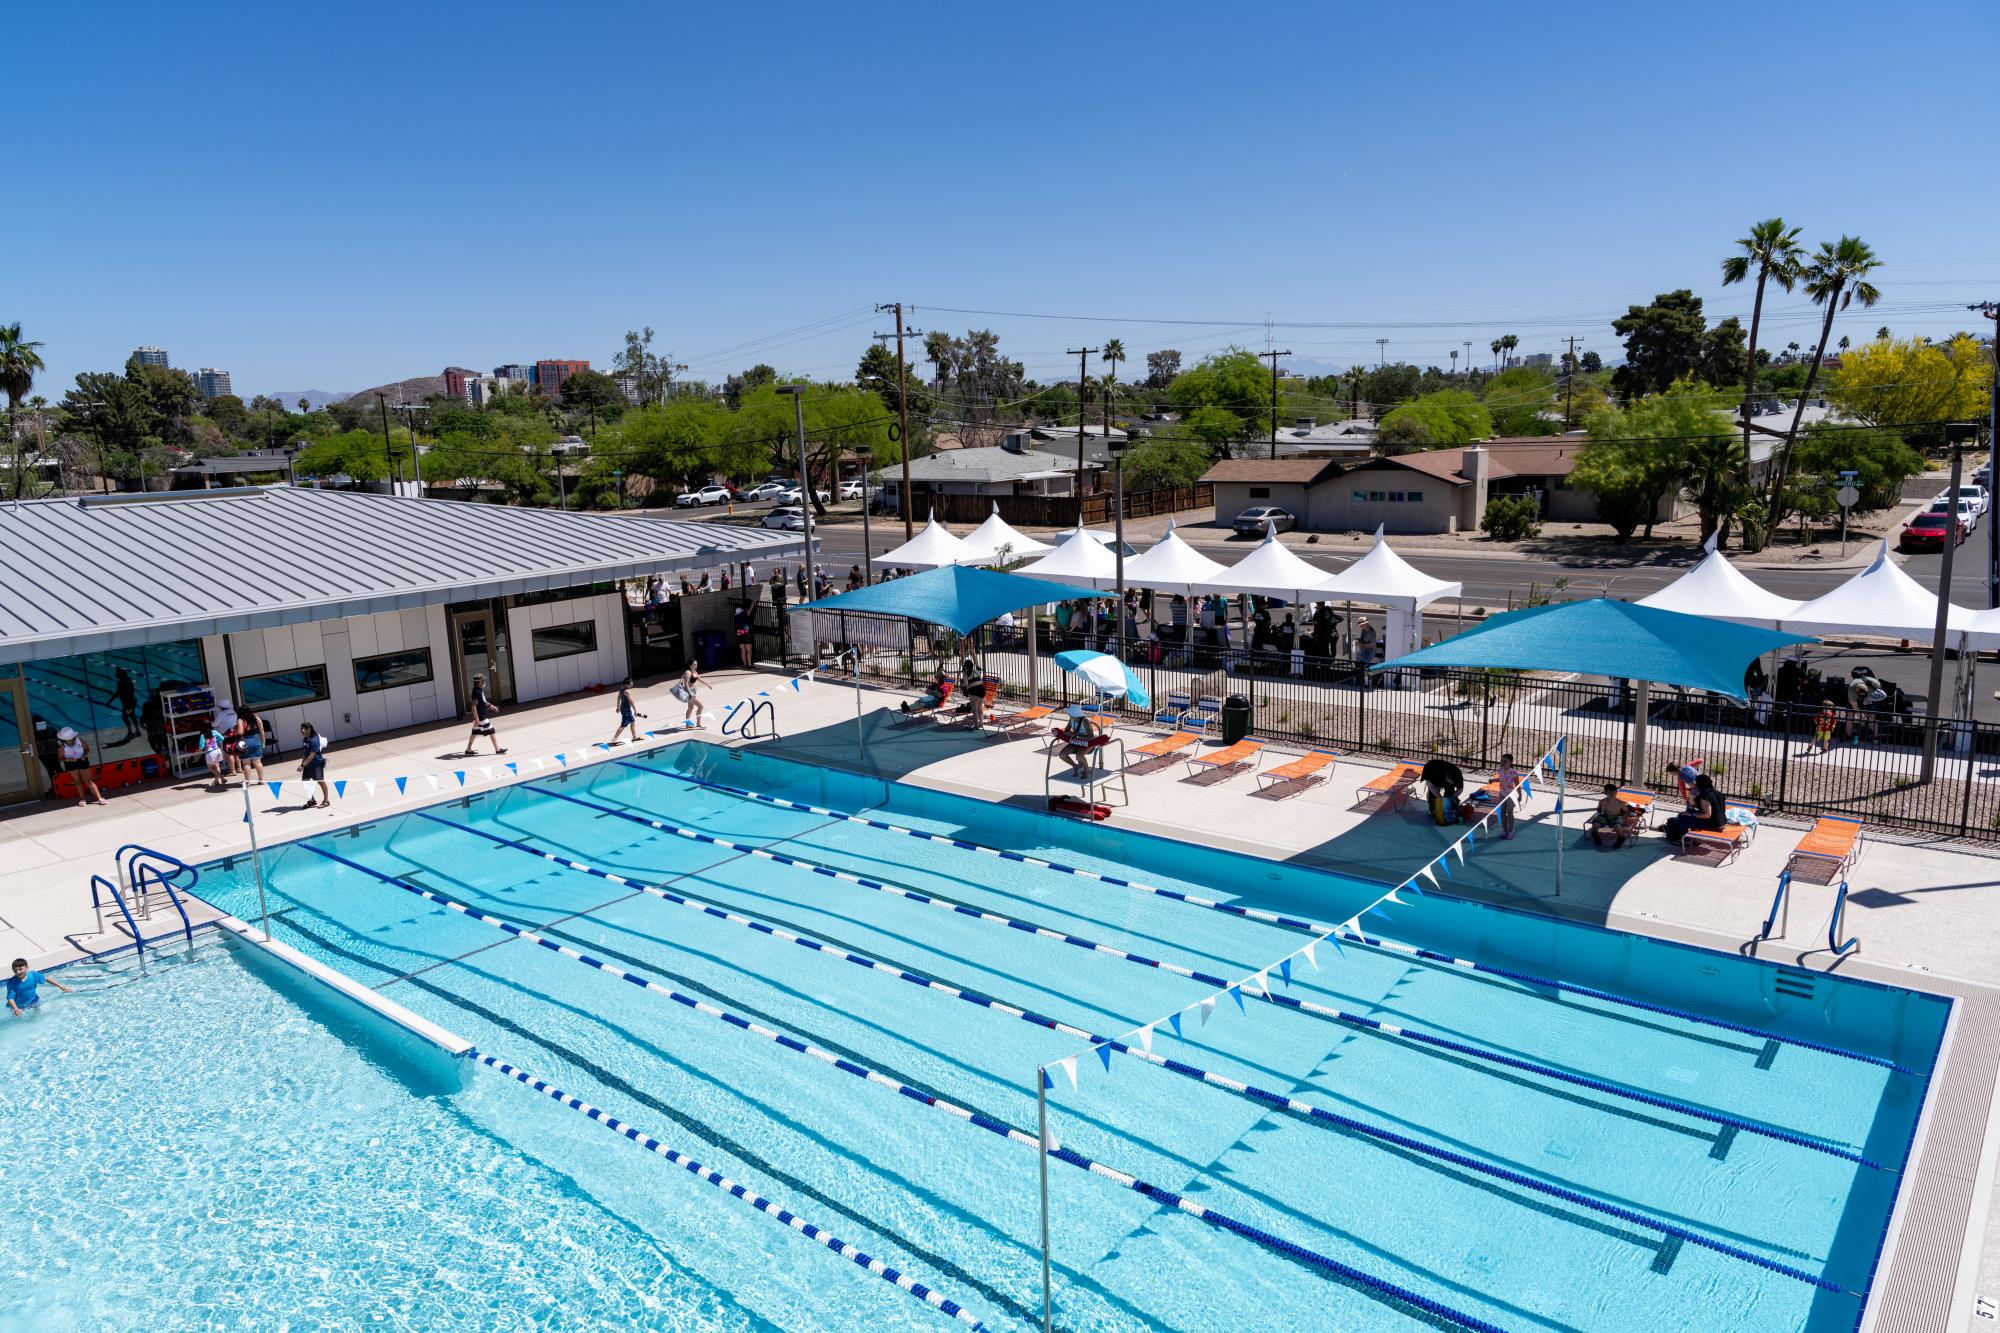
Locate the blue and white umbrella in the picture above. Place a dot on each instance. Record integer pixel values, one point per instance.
(1108, 674)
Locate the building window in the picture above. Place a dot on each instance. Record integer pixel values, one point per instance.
(283, 689)
(1361, 497)
(1260, 492)
(579, 636)
(386, 671)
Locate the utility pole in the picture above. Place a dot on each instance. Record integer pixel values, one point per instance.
(902, 415)
(1468, 358)
(1941, 630)
(1082, 355)
(1991, 309)
(1381, 352)
(388, 449)
(1569, 381)
(1274, 355)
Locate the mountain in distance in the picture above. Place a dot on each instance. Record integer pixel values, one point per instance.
(317, 397)
(413, 390)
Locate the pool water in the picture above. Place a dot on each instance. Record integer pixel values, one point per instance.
(1501, 1179)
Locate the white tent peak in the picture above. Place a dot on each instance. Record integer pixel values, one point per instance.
(1271, 569)
(1718, 589)
(1384, 578)
(1170, 566)
(1078, 558)
(995, 535)
(933, 548)
(1881, 599)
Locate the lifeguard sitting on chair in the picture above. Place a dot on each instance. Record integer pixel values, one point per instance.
(1078, 740)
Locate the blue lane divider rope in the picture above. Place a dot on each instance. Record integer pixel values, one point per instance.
(1236, 989)
(929, 1296)
(1144, 1053)
(868, 1075)
(1289, 922)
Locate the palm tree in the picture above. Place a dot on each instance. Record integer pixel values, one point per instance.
(1772, 249)
(19, 360)
(1791, 351)
(1497, 344)
(1508, 342)
(1843, 342)
(1836, 277)
(305, 406)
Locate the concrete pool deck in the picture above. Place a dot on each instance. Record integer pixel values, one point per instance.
(1915, 904)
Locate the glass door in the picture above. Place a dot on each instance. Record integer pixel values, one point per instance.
(477, 651)
(20, 770)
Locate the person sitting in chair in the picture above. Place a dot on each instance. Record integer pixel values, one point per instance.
(1076, 740)
(1443, 781)
(1706, 810)
(936, 693)
(1614, 817)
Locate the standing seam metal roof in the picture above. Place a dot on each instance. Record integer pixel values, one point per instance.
(83, 577)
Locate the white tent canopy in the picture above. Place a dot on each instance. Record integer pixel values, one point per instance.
(994, 536)
(1171, 566)
(1881, 600)
(1717, 589)
(1077, 558)
(1271, 570)
(1383, 578)
(933, 548)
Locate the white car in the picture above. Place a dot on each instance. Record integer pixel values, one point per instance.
(1976, 494)
(850, 490)
(770, 490)
(707, 495)
(1967, 510)
(788, 517)
(791, 496)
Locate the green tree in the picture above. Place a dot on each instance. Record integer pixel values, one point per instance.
(1591, 362)
(1904, 382)
(838, 418)
(20, 358)
(1161, 367)
(1511, 518)
(1165, 461)
(678, 441)
(591, 388)
(1836, 277)
(1234, 380)
(1448, 416)
(1670, 340)
(1403, 433)
(229, 415)
(735, 386)
(1210, 427)
(1518, 400)
(1384, 387)
(1659, 445)
(360, 454)
(1882, 460)
(1113, 353)
(651, 375)
(877, 374)
(1771, 250)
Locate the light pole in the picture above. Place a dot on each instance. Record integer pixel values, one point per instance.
(866, 454)
(1381, 352)
(1454, 363)
(1957, 433)
(1118, 532)
(798, 392)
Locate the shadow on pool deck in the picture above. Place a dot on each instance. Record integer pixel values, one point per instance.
(888, 745)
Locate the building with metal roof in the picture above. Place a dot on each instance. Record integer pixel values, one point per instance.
(128, 618)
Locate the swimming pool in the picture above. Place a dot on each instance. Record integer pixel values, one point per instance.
(1667, 1136)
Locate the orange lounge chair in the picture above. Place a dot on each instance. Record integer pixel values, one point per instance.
(1833, 840)
(1166, 747)
(1304, 771)
(1226, 760)
(1025, 717)
(1638, 798)
(984, 695)
(1392, 786)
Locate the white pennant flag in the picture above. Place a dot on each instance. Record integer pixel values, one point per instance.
(1146, 1038)
(540, 764)
(1310, 956)
(432, 778)
(1049, 1143)
(1390, 897)
(486, 772)
(1459, 847)
(369, 783)
(1426, 873)
(1069, 1067)
(1262, 981)
(1207, 1008)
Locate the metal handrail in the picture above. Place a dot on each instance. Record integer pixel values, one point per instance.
(133, 860)
(743, 729)
(1833, 927)
(138, 940)
(165, 882)
(1784, 882)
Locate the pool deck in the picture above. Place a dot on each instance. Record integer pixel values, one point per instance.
(1916, 902)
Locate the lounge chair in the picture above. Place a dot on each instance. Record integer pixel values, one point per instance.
(984, 696)
(1641, 800)
(1392, 786)
(1178, 705)
(1225, 761)
(1833, 840)
(1729, 840)
(943, 698)
(1166, 747)
(1299, 774)
(1020, 718)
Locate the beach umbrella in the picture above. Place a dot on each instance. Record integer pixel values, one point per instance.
(1107, 674)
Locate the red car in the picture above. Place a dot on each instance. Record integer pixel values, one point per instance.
(1926, 532)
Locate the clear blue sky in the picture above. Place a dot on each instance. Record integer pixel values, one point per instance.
(330, 197)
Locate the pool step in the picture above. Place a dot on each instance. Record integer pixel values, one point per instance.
(1794, 984)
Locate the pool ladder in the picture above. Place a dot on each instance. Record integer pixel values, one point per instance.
(1781, 904)
(141, 873)
(750, 710)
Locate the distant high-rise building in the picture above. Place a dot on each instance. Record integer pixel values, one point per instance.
(150, 356)
(1536, 359)
(459, 382)
(518, 372)
(212, 384)
(549, 375)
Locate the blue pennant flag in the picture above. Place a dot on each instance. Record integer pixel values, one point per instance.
(1562, 742)
(512, 767)
(603, 746)
(275, 788)
(1377, 911)
(340, 788)
(1559, 805)
(563, 759)
(1236, 994)
(1411, 885)
(795, 687)
(402, 786)
(1047, 1082)
(1175, 1020)
(1104, 1054)
(1443, 864)
(459, 773)
(1285, 971)
(763, 694)
(1334, 940)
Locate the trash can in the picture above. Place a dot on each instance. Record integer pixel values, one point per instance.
(1235, 718)
(708, 651)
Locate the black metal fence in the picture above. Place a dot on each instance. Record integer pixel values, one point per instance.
(1871, 766)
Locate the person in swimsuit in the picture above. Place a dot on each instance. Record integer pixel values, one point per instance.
(626, 715)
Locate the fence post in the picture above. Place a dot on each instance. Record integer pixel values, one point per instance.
(1785, 756)
(1361, 729)
(1485, 712)
(1971, 764)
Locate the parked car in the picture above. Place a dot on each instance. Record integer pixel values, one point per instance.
(769, 490)
(707, 495)
(850, 490)
(1975, 493)
(1255, 519)
(788, 517)
(1967, 511)
(1927, 531)
(791, 496)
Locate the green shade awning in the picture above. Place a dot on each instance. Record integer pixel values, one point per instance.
(1603, 637)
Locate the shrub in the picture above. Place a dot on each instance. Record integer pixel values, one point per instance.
(1511, 518)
